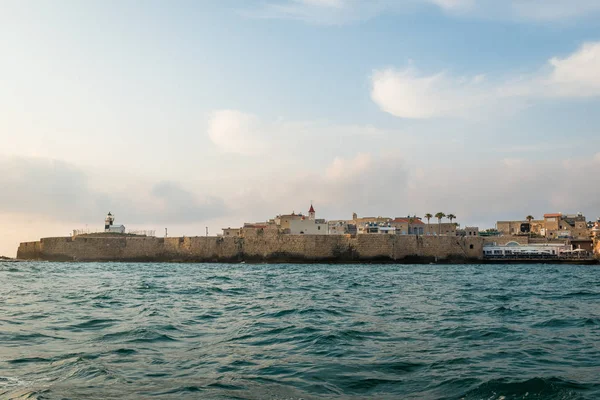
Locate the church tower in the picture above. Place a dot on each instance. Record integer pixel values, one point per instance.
(311, 213)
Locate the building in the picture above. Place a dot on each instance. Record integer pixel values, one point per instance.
(471, 231)
(283, 221)
(554, 225)
(363, 223)
(445, 228)
(308, 226)
(377, 228)
(515, 249)
(109, 227)
(408, 226)
(229, 232)
(596, 229)
(522, 227)
(341, 227)
(560, 225)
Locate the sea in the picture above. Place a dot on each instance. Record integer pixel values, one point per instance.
(295, 331)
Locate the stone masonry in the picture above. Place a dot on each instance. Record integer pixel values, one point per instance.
(260, 246)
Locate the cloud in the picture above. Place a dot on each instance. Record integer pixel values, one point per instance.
(178, 205)
(385, 184)
(237, 132)
(60, 191)
(366, 182)
(577, 75)
(408, 93)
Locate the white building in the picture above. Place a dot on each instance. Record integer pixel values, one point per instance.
(109, 227)
(514, 249)
(308, 226)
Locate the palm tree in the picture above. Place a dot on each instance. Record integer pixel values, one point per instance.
(451, 217)
(428, 216)
(439, 216)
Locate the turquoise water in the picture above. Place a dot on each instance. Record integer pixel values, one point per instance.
(214, 331)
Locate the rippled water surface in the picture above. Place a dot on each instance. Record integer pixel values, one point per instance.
(187, 331)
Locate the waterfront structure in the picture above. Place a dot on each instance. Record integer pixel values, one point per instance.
(283, 221)
(408, 225)
(445, 228)
(109, 225)
(514, 249)
(341, 227)
(596, 229)
(521, 227)
(468, 231)
(554, 225)
(565, 226)
(232, 232)
(268, 245)
(363, 223)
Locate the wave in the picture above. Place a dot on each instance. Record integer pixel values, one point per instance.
(138, 335)
(535, 388)
(567, 322)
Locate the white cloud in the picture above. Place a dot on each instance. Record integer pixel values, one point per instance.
(407, 93)
(237, 132)
(343, 169)
(63, 191)
(578, 74)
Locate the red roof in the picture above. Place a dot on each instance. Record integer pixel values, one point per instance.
(415, 220)
(311, 209)
(555, 215)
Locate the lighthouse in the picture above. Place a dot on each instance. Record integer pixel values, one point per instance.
(108, 222)
(109, 227)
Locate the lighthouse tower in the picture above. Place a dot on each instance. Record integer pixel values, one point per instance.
(311, 213)
(108, 222)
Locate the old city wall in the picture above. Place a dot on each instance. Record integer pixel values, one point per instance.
(260, 246)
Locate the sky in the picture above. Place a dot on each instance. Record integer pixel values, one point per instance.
(193, 114)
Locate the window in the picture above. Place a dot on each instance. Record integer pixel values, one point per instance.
(319, 228)
(470, 246)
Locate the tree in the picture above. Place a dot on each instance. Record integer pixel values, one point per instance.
(428, 216)
(451, 217)
(411, 220)
(439, 216)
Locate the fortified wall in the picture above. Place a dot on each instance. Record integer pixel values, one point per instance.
(261, 246)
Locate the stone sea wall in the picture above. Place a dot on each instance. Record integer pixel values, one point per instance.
(258, 247)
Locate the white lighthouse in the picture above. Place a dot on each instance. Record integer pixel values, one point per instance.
(109, 227)
(108, 222)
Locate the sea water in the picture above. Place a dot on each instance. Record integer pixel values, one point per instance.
(280, 331)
